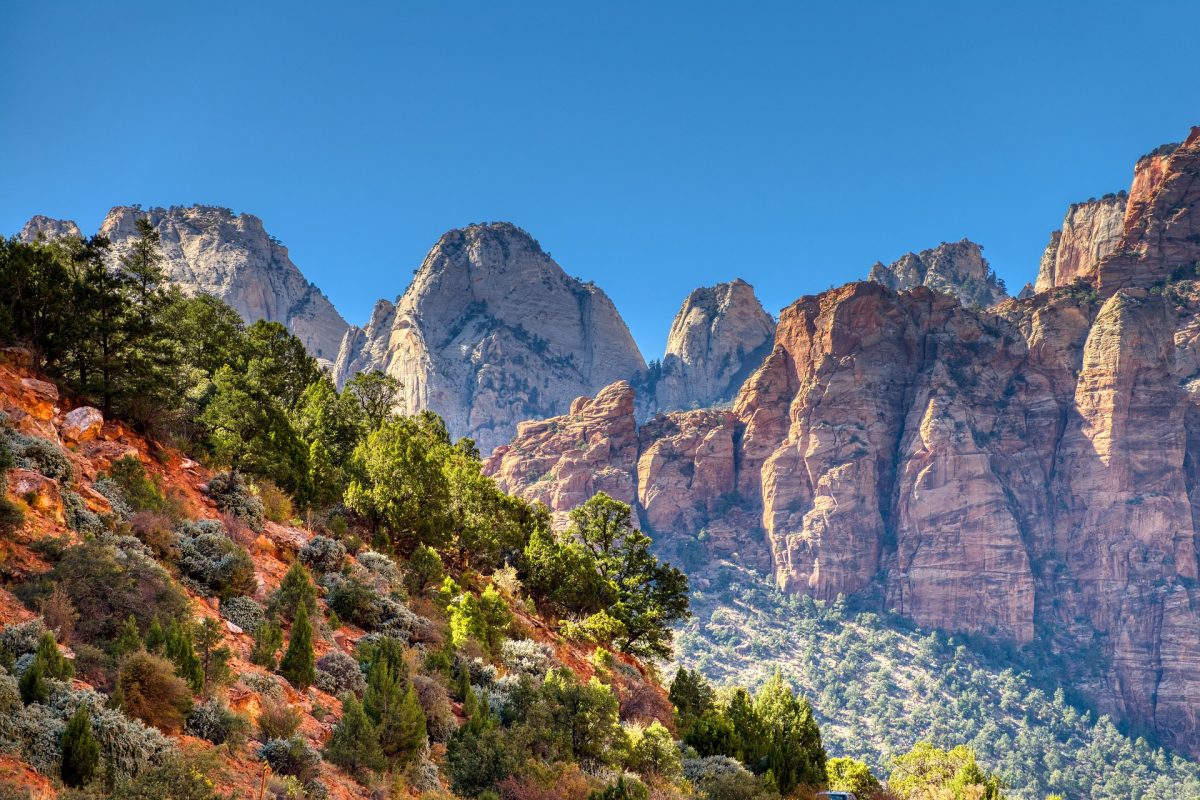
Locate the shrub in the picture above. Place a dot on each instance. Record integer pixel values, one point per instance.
(653, 752)
(355, 602)
(214, 721)
(244, 612)
(116, 497)
(39, 455)
(277, 720)
(155, 530)
(338, 673)
(291, 757)
(140, 490)
(295, 590)
(625, 788)
(175, 779)
(213, 561)
(322, 554)
(59, 613)
(424, 568)
(232, 496)
(527, 657)
(20, 638)
(151, 692)
(79, 517)
(381, 568)
(277, 505)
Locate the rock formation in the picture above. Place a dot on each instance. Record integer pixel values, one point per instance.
(231, 256)
(40, 228)
(1031, 473)
(956, 268)
(720, 335)
(1091, 231)
(492, 332)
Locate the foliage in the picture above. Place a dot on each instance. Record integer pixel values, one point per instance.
(139, 490)
(294, 591)
(851, 775)
(150, 691)
(291, 757)
(214, 561)
(233, 496)
(277, 720)
(424, 568)
(926, 771)
(298, 664)
(268, 639)
(527, 657)
(625, 788)
(322, 554)
(214, 721)
(244, 612)
(80, 750)
(180, 648)
(37, 454)
(79, 517)
(653, 752)
(338, 673)
(485, 619)
(355, 743)
(213, 654)
(277, 505)
(575, 720)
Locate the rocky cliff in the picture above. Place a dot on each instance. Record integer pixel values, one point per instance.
(1029, 473)
(1090, 232)
(46, 229)
(956, 268)
(231, 256)
(720, 335)
(492, 332)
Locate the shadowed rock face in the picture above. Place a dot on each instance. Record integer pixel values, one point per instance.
(492, 332)
(956, 268)
(720, 335)
(232, 257)
(1030, 473)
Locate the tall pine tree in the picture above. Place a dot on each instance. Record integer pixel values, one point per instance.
(298, 664)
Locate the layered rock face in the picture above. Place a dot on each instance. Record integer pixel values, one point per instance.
(720, 335)
(232, 257)
(1091, 231)
(1030, 473)
(956, 268)
(492, 332)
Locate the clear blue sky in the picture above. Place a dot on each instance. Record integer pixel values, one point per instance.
(651, 147)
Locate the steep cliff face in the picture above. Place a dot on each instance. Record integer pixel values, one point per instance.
(231, 256)
(492, 332)
(719, 336)
(1090, 232)
(1030, 473)
(956, 268)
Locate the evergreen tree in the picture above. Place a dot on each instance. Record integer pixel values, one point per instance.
(794, 755)
(402, 728)
(53, 663)
(268, 638)
(80, 750)
(377, 396)
(298, 664)
(384, 692)
(156, 639)
(355, 743)
(129, 640)
(295, 590)
(180, 649)
(32, 685)
(213, 654)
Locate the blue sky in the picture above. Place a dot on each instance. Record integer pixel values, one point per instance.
(650, 146)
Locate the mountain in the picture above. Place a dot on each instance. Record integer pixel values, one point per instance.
(1090, 232)
(231, 256)
(1028, 474)
(956, 268)
(492, 331)
(720, 335)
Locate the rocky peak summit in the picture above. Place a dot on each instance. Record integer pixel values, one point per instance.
(491, 332)
(956, 268)
(231, 256)
(47, 229)
(719, 336)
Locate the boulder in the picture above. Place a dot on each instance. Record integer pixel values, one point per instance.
(81, 424)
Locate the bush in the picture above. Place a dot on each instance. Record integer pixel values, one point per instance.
(322, 554)
(39, 455)
(156, 531)
(151, 692)
(382, 569)
(140, 491)
(424, 568)
(527, 657)
(355, 743)
(295, 590)
(268, 638)
(232, 496)
(277, 720)
(439, 718)
(175, 779)
(277, 505)
(214, 721)
(213, 561)
(79, 518)
(291, 757)
(20, 638)
(355, 602)
(116, 498)
(338, 673)
(244, 612)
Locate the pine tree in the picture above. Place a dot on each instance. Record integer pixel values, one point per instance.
(294, 591)
(80, 750)
(54, 664)
(155, 638)
(355, 743)
(129, 640)
(384, 692)
(33, 684)
(268, 638)
(298, 664)
(180, 649)
(402, 730)
(214, 656)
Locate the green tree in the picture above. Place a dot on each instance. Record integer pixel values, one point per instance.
(930, 772)
(129, 640)
(298, 664)
(795, 755)
(691, 695)
(53, 663)
(400, 483)
(32, 685)
(355, 743)
(180, 649)
(295, 590)
(577, 720)
(80, 750)
(213, 654)
(424, 567)
(402, 728)
(851, 775)
(268, 638)
(377, 396)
